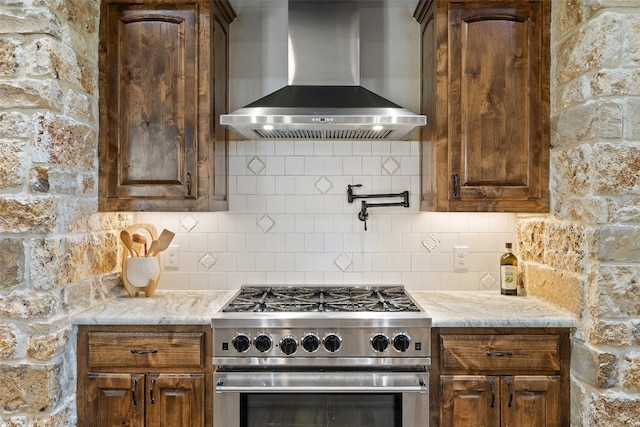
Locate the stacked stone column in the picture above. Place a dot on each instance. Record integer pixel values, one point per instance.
(57, 254)
(585, 256)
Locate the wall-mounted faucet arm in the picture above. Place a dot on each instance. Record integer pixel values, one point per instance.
(351, 197)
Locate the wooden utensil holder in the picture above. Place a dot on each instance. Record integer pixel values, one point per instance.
(148, 290)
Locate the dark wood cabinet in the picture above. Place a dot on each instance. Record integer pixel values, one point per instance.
(155, 376)
(163, 85)
(485, 92)
(497, 377)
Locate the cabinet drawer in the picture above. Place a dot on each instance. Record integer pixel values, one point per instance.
(145, 349)
(500, 352)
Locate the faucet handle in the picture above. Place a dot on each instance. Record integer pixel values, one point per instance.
(363, 215)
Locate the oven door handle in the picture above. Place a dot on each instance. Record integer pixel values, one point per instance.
(421, 387)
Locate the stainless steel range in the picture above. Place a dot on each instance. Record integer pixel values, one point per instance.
(321, 356)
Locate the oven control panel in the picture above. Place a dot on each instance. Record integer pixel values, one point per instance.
(411, 342)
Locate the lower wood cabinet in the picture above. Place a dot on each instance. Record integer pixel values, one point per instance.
(500, 377)
(145, 376)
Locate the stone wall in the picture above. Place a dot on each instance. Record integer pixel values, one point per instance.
(585, 256)
(57, 254)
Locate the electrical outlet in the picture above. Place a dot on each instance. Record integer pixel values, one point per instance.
(460, 258)
(172, 256)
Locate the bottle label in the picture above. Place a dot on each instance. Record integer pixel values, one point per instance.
(508, 277)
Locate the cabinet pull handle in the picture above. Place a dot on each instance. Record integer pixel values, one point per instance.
(133, 392)
(493, 394)
(153, 386)
(499, 353)
(510, 384)
(188, 183)
(152, 351)
(456, 184)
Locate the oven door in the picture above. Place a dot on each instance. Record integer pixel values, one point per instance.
(321, 398)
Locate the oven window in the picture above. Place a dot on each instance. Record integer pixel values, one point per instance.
(326, 410)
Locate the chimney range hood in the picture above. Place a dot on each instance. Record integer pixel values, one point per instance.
(324, 98)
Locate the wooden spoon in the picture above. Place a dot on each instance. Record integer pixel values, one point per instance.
(142, 240)
(125, 236)
(161, 243)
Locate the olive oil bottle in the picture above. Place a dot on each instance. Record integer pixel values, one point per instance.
(508, 272)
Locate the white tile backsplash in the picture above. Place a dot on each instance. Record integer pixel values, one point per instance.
(289, 223)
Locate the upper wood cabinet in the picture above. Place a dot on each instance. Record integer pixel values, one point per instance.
(485, 92)
(163, 85)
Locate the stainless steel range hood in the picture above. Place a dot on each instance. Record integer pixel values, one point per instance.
(324, 98)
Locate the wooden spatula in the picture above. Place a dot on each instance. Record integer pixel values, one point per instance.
(162, 243)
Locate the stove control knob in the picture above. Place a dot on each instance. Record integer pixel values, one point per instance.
(379, 342)
(310, 342)
(262, 343)
(241, 342)
(288, 345)
(401, 342)
(332, 342)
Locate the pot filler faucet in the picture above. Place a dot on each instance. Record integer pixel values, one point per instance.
(363, 215)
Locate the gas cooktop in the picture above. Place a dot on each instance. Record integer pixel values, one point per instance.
(321, 299)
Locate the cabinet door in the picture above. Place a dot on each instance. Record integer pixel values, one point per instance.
(152, 94)
(498, 114)
(175, 400)
(470, 401)
(530, 401)
(115, 400)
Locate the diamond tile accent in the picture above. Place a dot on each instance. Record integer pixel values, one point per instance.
(390, 165)
(208, 261)
(189, 222)
(343, 261)
(488, 281)
(266, 223)
(256, 166)
(323, 184)
(430, 242)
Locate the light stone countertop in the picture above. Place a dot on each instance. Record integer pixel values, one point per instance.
(490, 309)
(162, 308)
(447, 309)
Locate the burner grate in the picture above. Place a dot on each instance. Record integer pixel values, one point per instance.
(319, 299)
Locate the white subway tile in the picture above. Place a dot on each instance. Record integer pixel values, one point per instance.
(285, 185)
(304, 185)
(314, 166)
(361, 148)
(256, 204)
(246, 262)
(380, 148)
(294, 243)
(256, 278)
(372, 166)
(266, 185)
(246, 184)
(275, 242)
(304, 261)
(351, 166)
(323, 148)
(265, 148)
(294, 165)
(303, 148)
(275, 166)
(276, 204)
(217, 242)
(332, 166)
(342, 148)
(196, 242)
(237, 242)
(285, 148)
